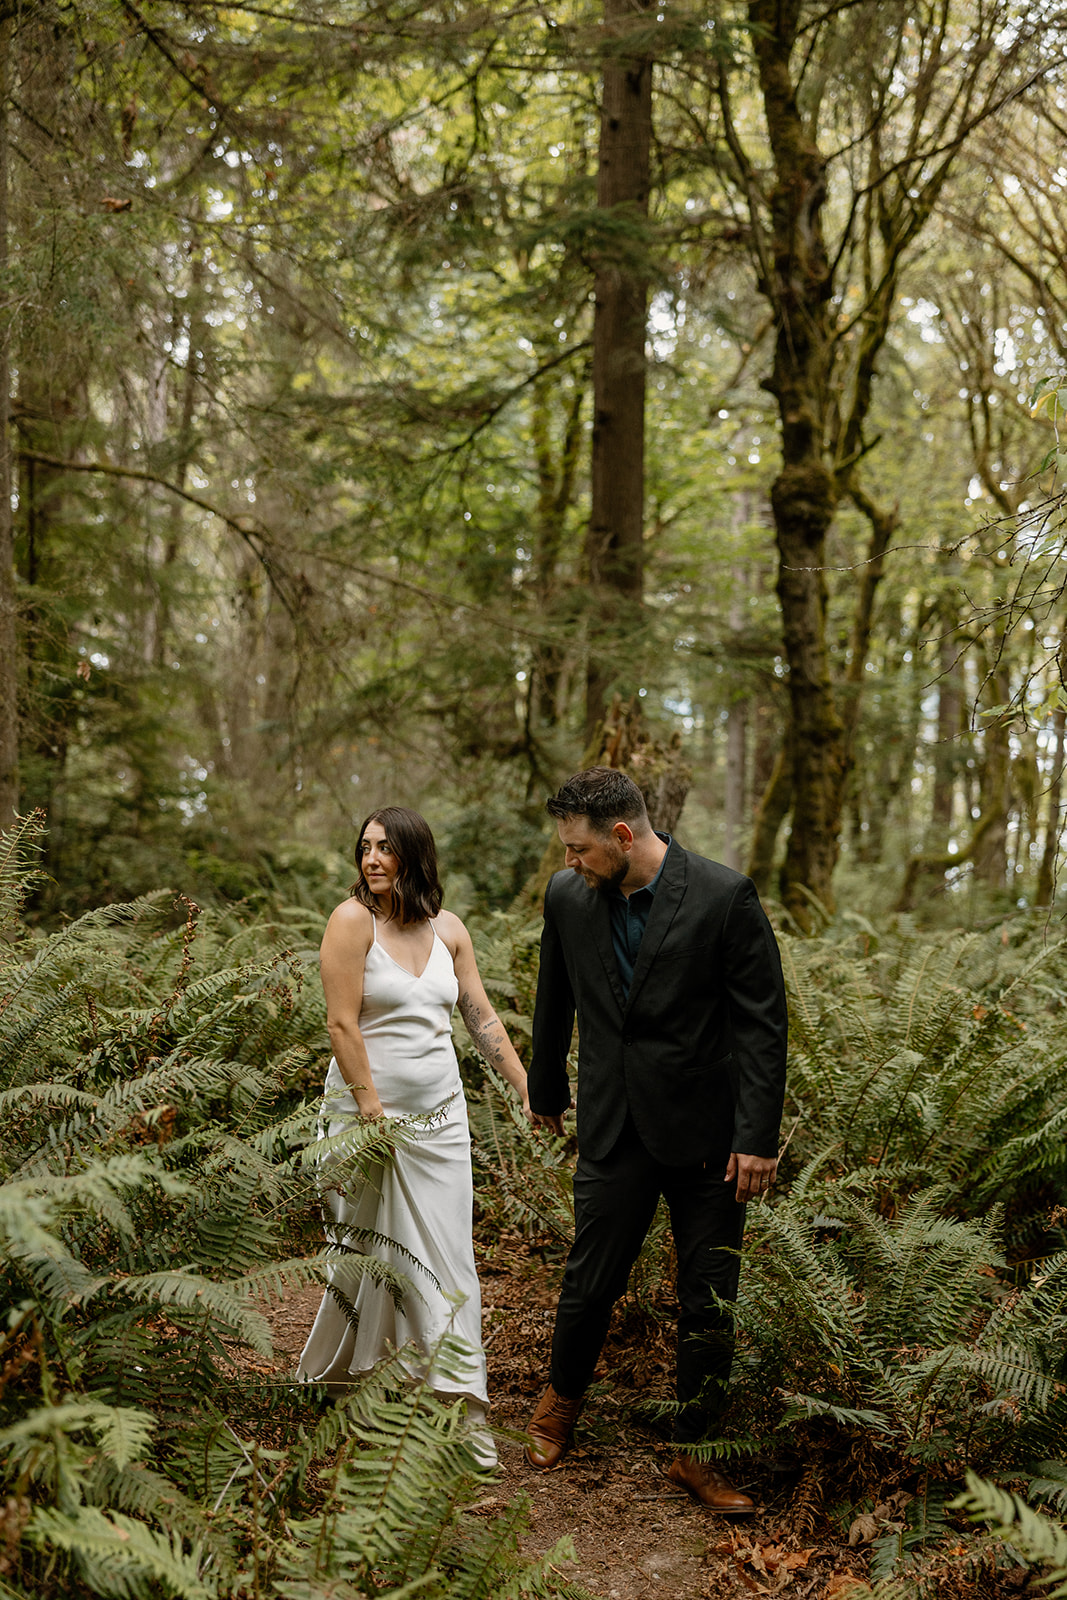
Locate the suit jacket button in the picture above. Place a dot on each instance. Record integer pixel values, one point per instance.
(627, 1038)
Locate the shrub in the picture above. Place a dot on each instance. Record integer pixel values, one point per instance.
(156, 1180)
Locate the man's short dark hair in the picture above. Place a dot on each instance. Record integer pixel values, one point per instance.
(603, 796)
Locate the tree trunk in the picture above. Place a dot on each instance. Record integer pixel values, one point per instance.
(195, 329)
(946, 758)
(9, 670)
(734, 810)
(556, 474)
(734, 795)
(884, 524)
(991, 856)
(616, 520)
(660, 771)
(804, 494)
(765, 721)
(52, 361)
(771, 813)
(1046, 876)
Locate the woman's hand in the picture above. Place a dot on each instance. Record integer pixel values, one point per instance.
(370, 1107)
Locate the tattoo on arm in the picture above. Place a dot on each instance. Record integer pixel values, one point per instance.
(484, 1028)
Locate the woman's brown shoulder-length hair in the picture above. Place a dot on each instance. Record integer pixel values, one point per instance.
(417, 891)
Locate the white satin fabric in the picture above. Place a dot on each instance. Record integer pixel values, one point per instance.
(419, 1205)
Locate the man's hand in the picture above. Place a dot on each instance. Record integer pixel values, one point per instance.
(754, 1175)
(553, 1124)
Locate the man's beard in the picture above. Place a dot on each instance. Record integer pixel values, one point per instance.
(605, 884)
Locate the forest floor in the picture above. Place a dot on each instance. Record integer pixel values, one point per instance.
(635, 1536)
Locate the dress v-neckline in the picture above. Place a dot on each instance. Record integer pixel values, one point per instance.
(418, 976)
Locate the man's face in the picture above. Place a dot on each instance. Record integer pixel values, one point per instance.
(598, 857)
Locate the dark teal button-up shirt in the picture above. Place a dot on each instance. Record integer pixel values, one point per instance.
(629, 918)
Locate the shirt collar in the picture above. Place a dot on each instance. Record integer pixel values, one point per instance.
(650, 886)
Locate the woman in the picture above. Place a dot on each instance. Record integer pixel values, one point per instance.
(393, 966)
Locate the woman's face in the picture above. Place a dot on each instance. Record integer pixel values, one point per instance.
(377, 860)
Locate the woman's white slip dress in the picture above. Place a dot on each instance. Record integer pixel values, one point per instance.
(421, 1201)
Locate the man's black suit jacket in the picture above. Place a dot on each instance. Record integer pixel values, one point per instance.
(697, 1049)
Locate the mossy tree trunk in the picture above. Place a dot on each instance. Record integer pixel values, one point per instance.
(804, 495)
(9, 673)
(1046, 877)
(915, 122)
(616, 519)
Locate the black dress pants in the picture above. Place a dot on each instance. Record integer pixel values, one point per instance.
(614, 1203)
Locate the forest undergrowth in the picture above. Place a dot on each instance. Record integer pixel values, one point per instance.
(902, 1320)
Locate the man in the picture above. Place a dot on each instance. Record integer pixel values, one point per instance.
(674, 972)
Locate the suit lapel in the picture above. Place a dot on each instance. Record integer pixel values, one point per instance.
(670, 892)
(600, 920)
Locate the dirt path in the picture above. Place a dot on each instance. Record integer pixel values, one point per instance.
(635, 1536)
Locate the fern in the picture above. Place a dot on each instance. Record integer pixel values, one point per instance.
(158, 1170)
(531, 1175)
(918, 1062)
(117, 1553)
(1050, 1483)
(894, 1328)
(1034, 1538)
(156, 1176)
(411, 1452)
(20, 847)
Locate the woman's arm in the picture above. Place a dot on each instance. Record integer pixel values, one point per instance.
(481, 1021)
(341, 961)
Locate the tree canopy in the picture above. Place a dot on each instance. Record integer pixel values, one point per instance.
(389, 385)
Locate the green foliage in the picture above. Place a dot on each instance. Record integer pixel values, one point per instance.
(901, 1331)
(921, 1060)
(158, 1184)
(1034, 1538)
(529, 1171)
(887, 1330)
(400, 1454)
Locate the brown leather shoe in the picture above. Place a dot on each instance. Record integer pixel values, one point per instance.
(551, 1428)
(708, 1485)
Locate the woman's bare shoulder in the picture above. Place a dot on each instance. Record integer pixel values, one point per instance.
(351, 923)
(450, 930)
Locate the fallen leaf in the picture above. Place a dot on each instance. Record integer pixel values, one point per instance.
(863, 1529)
(797, 1559)
(846, 1586)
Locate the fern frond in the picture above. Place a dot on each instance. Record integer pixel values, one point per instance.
(1050, 1482)
(1034, 1537)
(190, 1291)
(810, 1405)
(20, 848)
(31, 1096)
(119, 1547)
(122, 1433)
